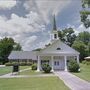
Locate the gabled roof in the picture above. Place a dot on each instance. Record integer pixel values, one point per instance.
(64, 49)
(23, 55)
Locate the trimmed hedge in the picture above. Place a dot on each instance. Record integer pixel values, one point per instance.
(46, 68)
(20, 63)
(73, 66)
(10, 64)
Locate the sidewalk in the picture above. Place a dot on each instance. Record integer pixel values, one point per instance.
(72, 81)
(13, 74)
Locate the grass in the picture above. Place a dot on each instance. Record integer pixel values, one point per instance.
(24, 67)
(8, 69)
(5, 70)
(30, 72)
(84, 73)
(36, 83)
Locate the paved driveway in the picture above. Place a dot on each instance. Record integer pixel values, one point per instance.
(73, 82)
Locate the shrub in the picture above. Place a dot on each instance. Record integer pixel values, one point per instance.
(22, 63)
(73, 66)
(88, 63)
(29, 63)
(46, 68)
(10, 64)
(34, 67)
(84, 62)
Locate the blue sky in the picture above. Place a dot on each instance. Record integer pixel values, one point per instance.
(29, 22)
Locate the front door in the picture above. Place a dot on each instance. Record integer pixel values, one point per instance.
(59, 65)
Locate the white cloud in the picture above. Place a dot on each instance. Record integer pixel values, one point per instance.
(78, 29)
(28, 43)
(46, 8)
(82, 28)
(17, 27)
(39, 15)
(7, 4)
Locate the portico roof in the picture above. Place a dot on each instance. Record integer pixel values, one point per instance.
(59, 48)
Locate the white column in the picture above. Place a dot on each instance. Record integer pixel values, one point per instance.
(65, 58)
(52, 63)
(78, 59)
(38, 64)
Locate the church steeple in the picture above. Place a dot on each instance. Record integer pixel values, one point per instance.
(54, 23)
(54, 32)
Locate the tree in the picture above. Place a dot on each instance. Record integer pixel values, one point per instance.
(85, 13)
(67, 35)
(80, 47)
(82, 44)
(17, 47)
(84, 37)
(6, 46)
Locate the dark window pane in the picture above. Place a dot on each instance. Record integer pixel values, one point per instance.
(55, 35)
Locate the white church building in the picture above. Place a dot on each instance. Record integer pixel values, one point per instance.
(57, 54)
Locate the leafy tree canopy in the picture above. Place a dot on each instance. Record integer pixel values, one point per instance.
(80, 47)
(84, 37)
(82, 44)
(67, 35)
(17, 47)
(6, 46)
(85, 13)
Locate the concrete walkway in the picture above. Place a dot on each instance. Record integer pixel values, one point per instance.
(73, 82)
(27, 76)
(13, 74)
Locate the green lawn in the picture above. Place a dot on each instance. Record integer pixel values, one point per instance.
(5, 70)
(31, 72)
(8, 69)
(84, 73)
(36, 83)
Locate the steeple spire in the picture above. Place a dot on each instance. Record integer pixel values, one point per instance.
(54, 23)
(54, 32)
